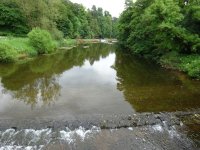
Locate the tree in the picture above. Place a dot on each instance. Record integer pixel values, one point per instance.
(59, 17)
(154, 28)
(12, 19)
(128, 3)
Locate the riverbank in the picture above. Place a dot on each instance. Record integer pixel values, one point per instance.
(190, 64)
(140, 131)
(24, 50)
(174, 42)
(44, 102)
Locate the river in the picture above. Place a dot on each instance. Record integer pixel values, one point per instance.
(85, 83)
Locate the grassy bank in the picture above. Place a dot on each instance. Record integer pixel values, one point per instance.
(20, 45)
(73, 42)
(189, 64)
(23, 49)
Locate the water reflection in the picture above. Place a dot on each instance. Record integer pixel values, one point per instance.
(37, 82)
(98, 80)
(150, 88)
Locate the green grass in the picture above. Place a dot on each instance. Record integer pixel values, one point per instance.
(69, 42)
(21, 45)
(187, 63)
(23, 48)
(73, 42)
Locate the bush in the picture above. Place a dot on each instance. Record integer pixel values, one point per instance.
(7, 53)
(191, 65)
(56, 34)
(41, 40)
(194, 69)
(187, 63)
(170, 60)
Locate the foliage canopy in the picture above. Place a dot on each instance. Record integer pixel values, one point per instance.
(161, 28)
(154, 27)
(59, 17)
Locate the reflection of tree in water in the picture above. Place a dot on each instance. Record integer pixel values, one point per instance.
(7, 69)
(42, 92)
(36, 82)
(151, 89)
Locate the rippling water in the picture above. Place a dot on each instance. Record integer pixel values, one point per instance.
(93, 138)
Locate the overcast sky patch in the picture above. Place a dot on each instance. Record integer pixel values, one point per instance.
(115, 7)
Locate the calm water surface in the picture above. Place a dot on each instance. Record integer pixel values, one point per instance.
(98, 80)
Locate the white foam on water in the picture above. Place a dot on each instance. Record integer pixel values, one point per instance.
(173, 133)
(38, 132)
(37, 135)
(130, 128)
(112, 130)
(157, 127)
(172, 130)
(21, 148)
(71, 135)
(66, 136)
(8, 138)
(30, 139)
(8, 132)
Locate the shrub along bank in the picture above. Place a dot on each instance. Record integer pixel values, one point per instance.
(187, 63)
(164, 30)
(38, 42)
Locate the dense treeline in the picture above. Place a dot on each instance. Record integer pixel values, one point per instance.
(165, 30)
(59, 17)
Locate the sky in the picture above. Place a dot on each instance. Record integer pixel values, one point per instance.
(115, 7)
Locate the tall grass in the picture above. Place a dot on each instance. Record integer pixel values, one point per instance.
(20, 45)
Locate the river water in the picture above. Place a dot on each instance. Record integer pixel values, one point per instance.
(99, 80)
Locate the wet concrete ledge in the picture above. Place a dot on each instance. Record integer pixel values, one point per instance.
(161, 131)
(106, 121)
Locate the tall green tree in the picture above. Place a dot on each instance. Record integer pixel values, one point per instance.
(59, 17)
(154, 28)
(12, 19)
